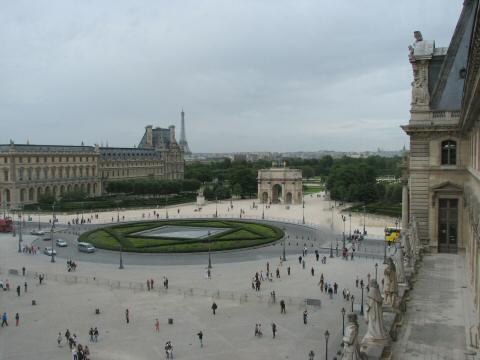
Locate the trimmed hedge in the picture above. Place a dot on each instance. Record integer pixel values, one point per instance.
(240, 234)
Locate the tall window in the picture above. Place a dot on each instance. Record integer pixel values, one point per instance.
(449, 152)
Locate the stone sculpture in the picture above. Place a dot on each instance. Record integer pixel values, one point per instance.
(401, 271)
(374, 316)
(391, 285)
(351, 347)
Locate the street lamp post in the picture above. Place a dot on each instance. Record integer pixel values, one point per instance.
(38, 218)
(331, 250)
(376, 271)
(361, 305)
(344, 219)
(343, 321)
(385, 251)
(263, 212)
(209, 256)
(166, 210)
(121, 258)
(331, 224)
(51, 231)
(216, 206)
(20, 230)
(284, 257)
(327, 335)
(350, 234)
(303, 211)
(364, 208)
(353, 297)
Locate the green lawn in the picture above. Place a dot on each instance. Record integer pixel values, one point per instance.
(239, 235)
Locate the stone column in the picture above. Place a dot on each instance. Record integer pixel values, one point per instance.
(404, 204)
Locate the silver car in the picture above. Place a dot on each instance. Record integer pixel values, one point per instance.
(48, 251)
(61, 243)
(37, 232)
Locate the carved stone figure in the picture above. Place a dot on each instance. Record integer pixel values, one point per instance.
(401, 271)
(419, 92)
(374, 316)
(391, 285)
(418, 36)
(351, 349)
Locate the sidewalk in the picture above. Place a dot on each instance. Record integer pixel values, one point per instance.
(439, 313)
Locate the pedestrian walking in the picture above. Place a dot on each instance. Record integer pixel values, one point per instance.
(148, 284)
(214, 307)
(4, 319)
(67, 335)
(274, 329)
(200, 338)
(90, 333)
(157, 325)
(305, 315)
(23, 271)
(59, 339)
(288, 271)
(282, 307)
(312, 271)
(95, 334)
(17, 319)
(18, 290)
(25, 286)
(127, 316)
(356, 282)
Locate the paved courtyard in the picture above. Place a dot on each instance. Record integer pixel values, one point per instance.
(68, 300)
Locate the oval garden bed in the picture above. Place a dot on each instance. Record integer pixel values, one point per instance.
(175, 236)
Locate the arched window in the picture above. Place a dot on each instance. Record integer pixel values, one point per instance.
(449, 152)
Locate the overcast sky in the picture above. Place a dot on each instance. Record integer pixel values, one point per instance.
(251, 75)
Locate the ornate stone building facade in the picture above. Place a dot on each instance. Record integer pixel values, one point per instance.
(443, 168)
(280, 185)
(439, 158)
(28, 171)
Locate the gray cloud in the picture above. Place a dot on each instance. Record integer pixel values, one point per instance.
(251, 74)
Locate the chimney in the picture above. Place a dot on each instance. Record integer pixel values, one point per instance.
(171, 128)
(149, 133)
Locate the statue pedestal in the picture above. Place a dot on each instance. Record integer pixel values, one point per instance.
(200, 200)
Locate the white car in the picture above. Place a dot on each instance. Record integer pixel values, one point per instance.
(61, 243)
(37, 232)
(48, 251)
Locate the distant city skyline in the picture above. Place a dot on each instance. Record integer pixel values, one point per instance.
(251, 76)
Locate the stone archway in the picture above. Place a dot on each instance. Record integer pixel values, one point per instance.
(276, 193)
(288, 198)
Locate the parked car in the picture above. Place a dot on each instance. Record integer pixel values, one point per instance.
(37, 232)
(86, 247)
(47, 238)
(61, 243)
(48, 251)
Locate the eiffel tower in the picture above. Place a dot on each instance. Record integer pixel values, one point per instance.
(183, 137)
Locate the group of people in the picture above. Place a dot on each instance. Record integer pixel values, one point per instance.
(151, 282)
(5, 319)
(71, 265)
(31, 249)
(79, 352)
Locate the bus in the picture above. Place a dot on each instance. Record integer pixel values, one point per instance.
(392, 234)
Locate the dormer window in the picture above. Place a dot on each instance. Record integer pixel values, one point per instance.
(449, 152)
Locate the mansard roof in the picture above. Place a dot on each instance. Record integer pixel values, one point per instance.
(447, 83)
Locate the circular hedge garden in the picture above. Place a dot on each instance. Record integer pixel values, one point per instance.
(180, 236)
